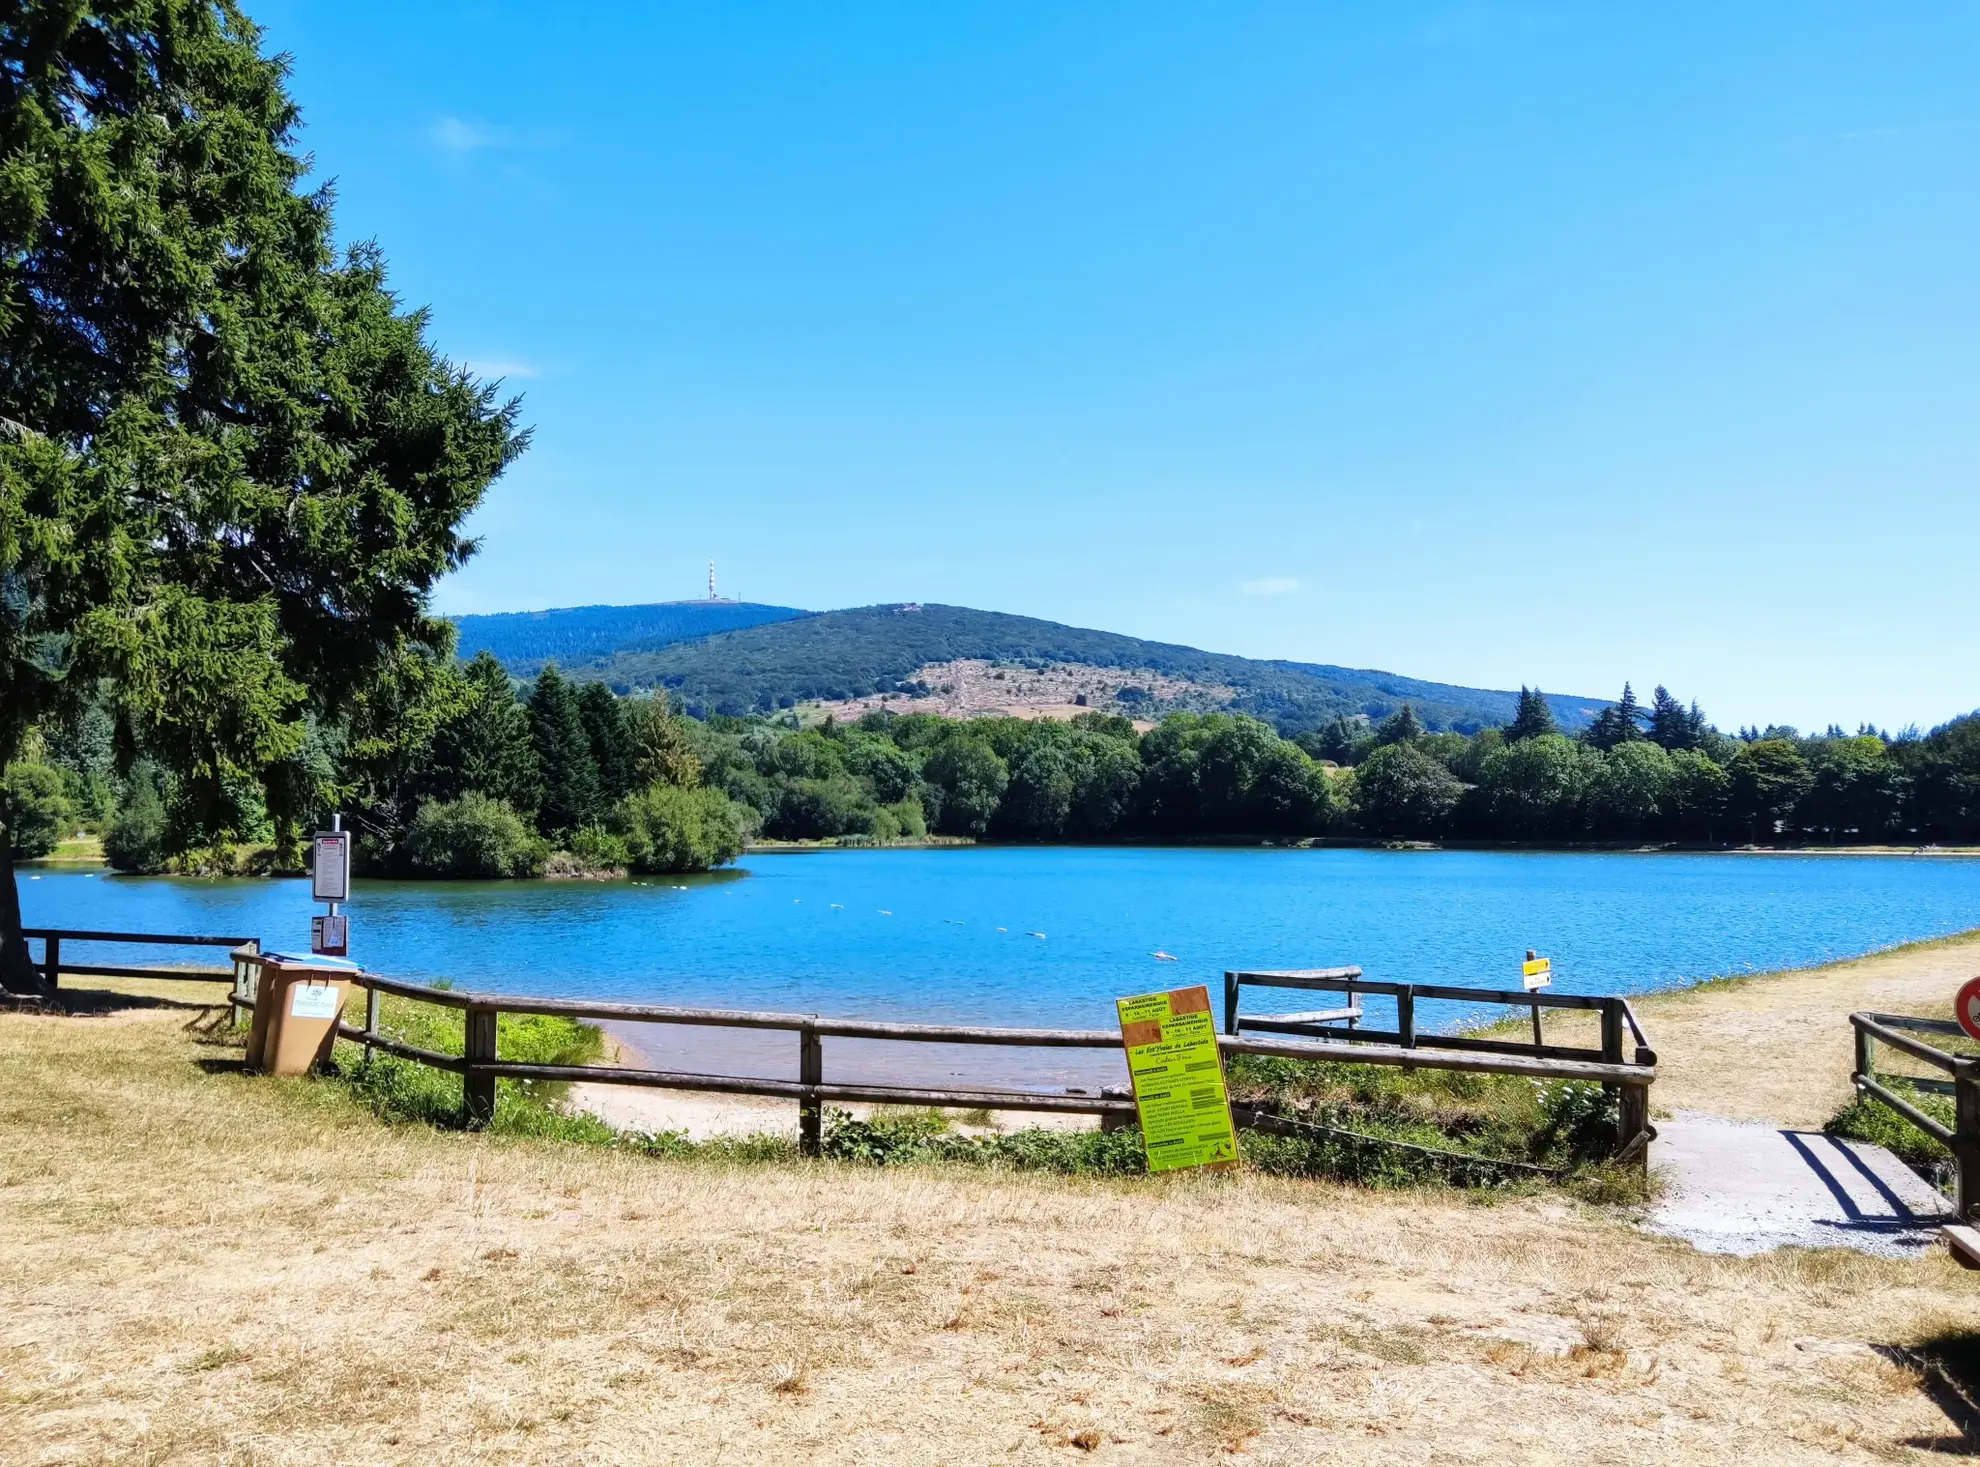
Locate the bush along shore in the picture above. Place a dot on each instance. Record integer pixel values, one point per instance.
(1365, 1124)
(484, 778)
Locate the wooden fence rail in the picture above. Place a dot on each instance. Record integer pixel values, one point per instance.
(481, 1066)
(53, 967)
(1962, 1138)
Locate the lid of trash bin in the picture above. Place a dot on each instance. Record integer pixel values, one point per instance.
(312, 960)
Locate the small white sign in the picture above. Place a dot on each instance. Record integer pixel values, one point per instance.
(330, 936)
(330, 873)
(1537, 973)
(315, 1001)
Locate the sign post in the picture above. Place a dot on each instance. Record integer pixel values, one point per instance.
(1536, 973)
(1178, 1076)
(330, 881)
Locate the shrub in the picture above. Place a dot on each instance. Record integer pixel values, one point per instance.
(472, 838)
(668, 829)
(135, 840)
(38, 813)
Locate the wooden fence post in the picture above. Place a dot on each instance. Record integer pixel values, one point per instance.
(370, 1021)
(51, 961)
(1406, 1016)
(1230, 1003)
(1866, 1055)
(811, 1071)
(1966, 1136)
(478, 1090)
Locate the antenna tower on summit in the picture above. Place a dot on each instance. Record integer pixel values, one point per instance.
(711, 582)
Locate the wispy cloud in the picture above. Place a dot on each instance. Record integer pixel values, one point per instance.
(458, 135)
(502, 367)
(1271, 586)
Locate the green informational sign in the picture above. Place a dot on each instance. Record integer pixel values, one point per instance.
(1178, 1076)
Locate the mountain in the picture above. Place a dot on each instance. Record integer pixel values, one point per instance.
(523, 641)
(791, 657)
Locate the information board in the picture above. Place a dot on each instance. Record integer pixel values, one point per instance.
(1178, 1075)
(330, 872)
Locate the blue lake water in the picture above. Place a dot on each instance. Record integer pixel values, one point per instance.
(944, 934)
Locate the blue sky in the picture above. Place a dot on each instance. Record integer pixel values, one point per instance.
(1495, 344)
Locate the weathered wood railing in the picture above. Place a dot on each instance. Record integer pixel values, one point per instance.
(481, 1066)
(1962, 1138)
(1344, 1029)
(53, 965)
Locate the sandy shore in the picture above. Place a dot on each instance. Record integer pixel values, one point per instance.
(772, 1054)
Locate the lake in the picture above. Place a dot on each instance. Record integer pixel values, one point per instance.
(1051, 935)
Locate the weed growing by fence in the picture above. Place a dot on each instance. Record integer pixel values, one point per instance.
(1865, 1119)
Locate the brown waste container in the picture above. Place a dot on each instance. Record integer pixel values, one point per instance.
(298, 999)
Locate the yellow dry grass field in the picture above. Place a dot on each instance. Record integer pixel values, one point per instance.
(200, 1267)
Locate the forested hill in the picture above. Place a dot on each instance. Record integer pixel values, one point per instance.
(574, 636)
(856, 653)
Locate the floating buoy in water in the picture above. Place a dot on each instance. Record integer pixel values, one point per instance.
(1161, 957)
(885, 913)
(1034, 934)
(1003, 929)
(838, 906)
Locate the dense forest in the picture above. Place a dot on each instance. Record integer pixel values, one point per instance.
(482, 776)
(835, 655)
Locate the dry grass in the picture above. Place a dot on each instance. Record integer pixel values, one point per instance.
(204, 1268)
(1779, 1047)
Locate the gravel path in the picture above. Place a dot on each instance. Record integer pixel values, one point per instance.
(1744, 1187)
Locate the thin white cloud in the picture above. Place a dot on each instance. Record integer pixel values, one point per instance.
(502, 367)
(1271, 586)
(458, 135)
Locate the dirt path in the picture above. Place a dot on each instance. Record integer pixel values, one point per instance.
(1779, 1048)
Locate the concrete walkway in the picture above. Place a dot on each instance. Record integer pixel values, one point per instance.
(1741, 1187)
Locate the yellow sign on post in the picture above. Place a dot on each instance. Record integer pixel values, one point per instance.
(1178, 1075)
(1536, 972)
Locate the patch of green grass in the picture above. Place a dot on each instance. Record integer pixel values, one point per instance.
(1869, 1119)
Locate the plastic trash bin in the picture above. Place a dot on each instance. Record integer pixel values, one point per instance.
(297, 1003)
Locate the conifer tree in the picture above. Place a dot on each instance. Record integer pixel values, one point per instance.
(606, 730)
(1400, 727)
(1533, 718)
(231, 467)
(563, 757)
(1619, 723)
(489, 748)
(1671, 724)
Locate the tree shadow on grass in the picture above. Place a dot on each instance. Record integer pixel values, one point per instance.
(84, 1003)
(1949, 1365)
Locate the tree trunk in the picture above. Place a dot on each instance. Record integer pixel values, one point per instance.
(18, 973)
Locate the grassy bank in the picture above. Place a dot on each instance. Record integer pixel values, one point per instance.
(210, 1267)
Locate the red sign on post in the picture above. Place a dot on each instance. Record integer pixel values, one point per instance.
(1966, 1007)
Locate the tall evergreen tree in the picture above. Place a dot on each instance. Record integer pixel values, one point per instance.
(1400, 727)
(563, 757)
(231, 468)
(1619, 723)
(489, 748)
(607, 730)
(1533, 718)
(1672, 725)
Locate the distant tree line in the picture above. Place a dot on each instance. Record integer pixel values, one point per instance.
(480, 776)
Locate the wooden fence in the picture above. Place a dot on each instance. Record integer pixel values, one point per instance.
(480, 1066)
(1962, 1138)
(53, 965)
(1406, 1043)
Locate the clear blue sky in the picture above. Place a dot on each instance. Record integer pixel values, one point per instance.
(1489, 343)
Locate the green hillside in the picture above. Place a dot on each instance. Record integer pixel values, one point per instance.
(842, 654)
